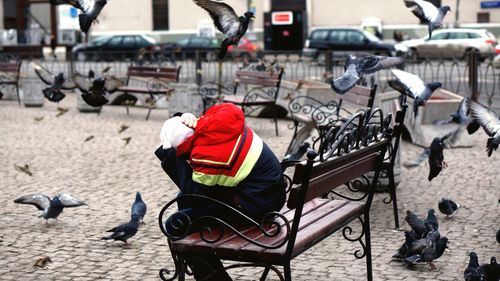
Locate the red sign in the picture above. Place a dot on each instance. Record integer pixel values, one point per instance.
(282, 18)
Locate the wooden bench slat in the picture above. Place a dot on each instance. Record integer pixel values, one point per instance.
(360, 90)
(260, 82)
(239, 100)
(142, 90)
(259, 74)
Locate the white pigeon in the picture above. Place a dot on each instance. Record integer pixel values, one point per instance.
(490, 122)
(428, 13)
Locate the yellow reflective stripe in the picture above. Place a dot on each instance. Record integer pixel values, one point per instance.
(221, 163)
(245, 169)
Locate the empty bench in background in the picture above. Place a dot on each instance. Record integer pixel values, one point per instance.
(262, 92)
(307, 219)
(9, 75)
(156, 78)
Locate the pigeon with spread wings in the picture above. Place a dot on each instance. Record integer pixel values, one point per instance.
(434, 154)
(56, 83)
(90, 9)
(95, 91)
(355, 68)
(227, 22)
(428, 13)
(490, 121)
(51, 208)
(415, 88)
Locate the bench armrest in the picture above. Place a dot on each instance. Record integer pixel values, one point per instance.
(273, 224)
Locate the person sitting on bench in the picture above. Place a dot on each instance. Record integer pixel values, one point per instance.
(219, 157)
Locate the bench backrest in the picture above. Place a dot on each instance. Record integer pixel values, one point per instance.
(360, 95)
(164, 73)
(259, 78)
(11, 68)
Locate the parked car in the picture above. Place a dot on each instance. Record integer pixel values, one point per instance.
(246, 48)
(351, 40)
(453, 43)
(113, 47)
(186, 48)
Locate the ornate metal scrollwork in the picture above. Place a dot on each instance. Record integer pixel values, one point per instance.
(347, 232)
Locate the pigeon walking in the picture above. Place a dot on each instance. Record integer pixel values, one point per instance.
(428, 13)
(415, 88)
(473, 272)
(355, 68)
(227, 22)
(491, 271)
(447, 206)
(90, 9)
(95, 91)
(56, 83)
(420, 226)
(125, 231)
(51, 208)
(410, 237)
(490, 122)
(427, 250)
(139, 208)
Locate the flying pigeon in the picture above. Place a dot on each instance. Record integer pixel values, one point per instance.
(447, 206)
(51, 208)
(473, 272)
(125, 231)
(434, 154)
(95, 91)
(90, 9)
(227, 22)
(56, 83)
(428, 13)
(490, 122)
(427, 250)
(139, 208)
(416, 88)
(461, 117)
(355, 68)
(491, 270)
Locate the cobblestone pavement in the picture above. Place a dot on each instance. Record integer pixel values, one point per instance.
(106, 174)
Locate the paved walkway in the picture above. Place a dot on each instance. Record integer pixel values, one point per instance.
(106, 174)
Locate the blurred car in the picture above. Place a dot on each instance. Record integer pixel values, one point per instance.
(186, 48)
(349, 39)
(453, 44)
(113, 47)
(246, 48)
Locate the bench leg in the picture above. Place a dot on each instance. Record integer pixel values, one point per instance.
(392, 190)
(368, 250)
(264, 274)
(149, 112)
(18, 96)
(276, 121)
(288, 272)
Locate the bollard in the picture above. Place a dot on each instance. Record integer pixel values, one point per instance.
(473, 61)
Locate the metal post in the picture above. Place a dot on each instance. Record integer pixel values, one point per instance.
(219, 81)
(198, 66)
(473, 74)
(328, 64)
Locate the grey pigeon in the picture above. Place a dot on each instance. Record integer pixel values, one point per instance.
(427, 250)
(56, 83)
(491, 271)
(139, 207)
(473, 272)
(462, 117)
(355, 68)
(410, 237)
(428, 13)
(95, 91)
(125, 231)
(416, 88)
(420, 226)
(295, 157)
(227, 22)
(90, 9)
(490, 122)
(435, 156)
(447, 206)
(51, 208)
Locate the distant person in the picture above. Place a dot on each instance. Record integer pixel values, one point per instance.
(397, 35)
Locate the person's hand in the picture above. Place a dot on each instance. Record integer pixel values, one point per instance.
(189, 120)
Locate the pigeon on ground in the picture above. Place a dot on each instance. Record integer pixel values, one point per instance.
(447, 206)
(410, 237)
(56, 83)
(42, 261)
(473, 272)
(95, 91)
(492, 270)
(90, 9)
(227, 22)
(490, 121)
(25, 169)
(355, 68)
(416, 88)
(125, 231)
(51, 208)
(139, 207)
(428, 13)
(427, 250)
(420, 226)
(122, 128)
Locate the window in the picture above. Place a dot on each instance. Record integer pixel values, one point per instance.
(319, 35)
(474, 36)
(440, 36)
(459, 35)
(354, 37)
(115, 41)
(483, 17)
(199, 42)
(160, 14)
(129, 41)
(338, 36)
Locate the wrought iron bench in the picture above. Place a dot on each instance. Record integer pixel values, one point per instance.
(157, 79)
(347, 153)
(263, 93)
(9, 75)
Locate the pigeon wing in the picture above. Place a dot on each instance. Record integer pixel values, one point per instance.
(223, 16)
(112, 84)
(372, 64)
(412, 82)
(39, 200)
(421, 158)
(416, 223)
(82, 82)
(486, 118)
(44, 74)
(69, 200)
(429, 11)
(344, 83)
